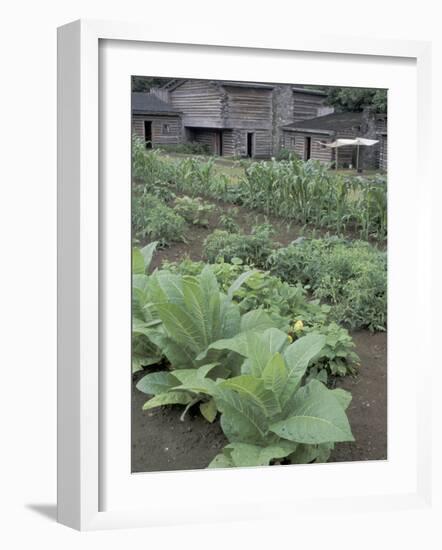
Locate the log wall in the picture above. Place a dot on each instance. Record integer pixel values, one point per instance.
(160, 134)
(201, 102)
(306, 106)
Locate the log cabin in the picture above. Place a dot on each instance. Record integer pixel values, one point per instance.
(233, 119)
(154, 121)
(308, 138)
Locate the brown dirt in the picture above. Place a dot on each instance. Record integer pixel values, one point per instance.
(162, 442)
(368, 410)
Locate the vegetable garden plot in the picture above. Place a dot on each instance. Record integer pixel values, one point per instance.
(248, 346)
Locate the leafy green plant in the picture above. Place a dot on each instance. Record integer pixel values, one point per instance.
(144, 352)
(253, 248)
(228, 221)
(266, 412)
(337, 357)
(285, 303)
(153, 219)
(194, 313)
(351, 276)
(194, 211)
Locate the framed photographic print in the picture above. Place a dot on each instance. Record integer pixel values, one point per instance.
(232, 276)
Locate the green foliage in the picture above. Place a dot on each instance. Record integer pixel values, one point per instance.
(228, 221)
(153, 219)
(152, 173)
(303, 192)
(351, 276)
(253, 248)
(188, 148)
(144, 352)
(145, 83)
(337, 357)
(286, 154)
(266, 412)
(355, 99)
(284, 303)
(194, 211)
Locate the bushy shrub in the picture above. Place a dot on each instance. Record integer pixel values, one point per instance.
(253, 248)
(152, 219)
(351, 276)
(194, 211)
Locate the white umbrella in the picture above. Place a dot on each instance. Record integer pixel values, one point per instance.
(342, 142)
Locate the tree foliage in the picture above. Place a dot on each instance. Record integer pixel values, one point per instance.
(355, 99)
(145, 83)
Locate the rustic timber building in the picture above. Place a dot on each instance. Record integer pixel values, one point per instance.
(308, 137)
(155, 121)
(245, 119)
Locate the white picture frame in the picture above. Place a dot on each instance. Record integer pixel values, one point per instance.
(82, 396)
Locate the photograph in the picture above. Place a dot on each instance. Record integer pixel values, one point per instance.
(259, 273)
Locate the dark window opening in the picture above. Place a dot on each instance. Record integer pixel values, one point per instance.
(148, 134)
(307, 148)
(166, 128)
(250, 144)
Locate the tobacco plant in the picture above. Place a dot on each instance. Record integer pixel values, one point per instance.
(267, 414)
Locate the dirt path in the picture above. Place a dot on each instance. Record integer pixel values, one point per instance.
(161, 441)
(368, 410)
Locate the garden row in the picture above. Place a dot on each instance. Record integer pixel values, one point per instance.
(307, 193)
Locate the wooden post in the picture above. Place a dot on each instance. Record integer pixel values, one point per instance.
(337, 157)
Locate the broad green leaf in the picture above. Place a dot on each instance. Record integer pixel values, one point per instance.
(242, 419)
(230, 317)
(179, 356)
(137, 262)
(254, 389)
(221, 461)
(343, 397)
(181, 326)
(193, 380)
(297, 357)
(136, 364)
(142, 327)
(243, 454)
(147, 253)
(275, 375)
(238, 282)
(315, 416)
(208, 410)
(257, 320)
(157, 382)
(166, 287)
(257, 347)
(198, 307)
(169, 398)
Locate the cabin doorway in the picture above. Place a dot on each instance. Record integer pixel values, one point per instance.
(218, 145)
(307, 148)
(148, 134)
(250, 151)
